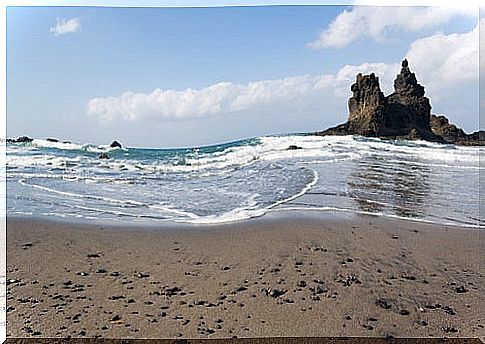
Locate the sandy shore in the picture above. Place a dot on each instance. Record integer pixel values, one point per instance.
(302, 276)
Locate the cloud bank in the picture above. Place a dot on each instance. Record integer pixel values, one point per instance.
(64, 26)
(441, 62)
(377, 22)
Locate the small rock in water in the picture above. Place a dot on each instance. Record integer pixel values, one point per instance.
(103, 156)
(293, 147)
(115, 144)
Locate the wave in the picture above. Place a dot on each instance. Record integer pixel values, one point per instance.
(242, 179)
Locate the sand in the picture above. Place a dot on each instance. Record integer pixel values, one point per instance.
(275, 276)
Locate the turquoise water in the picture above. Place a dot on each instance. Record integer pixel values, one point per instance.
(243, 179)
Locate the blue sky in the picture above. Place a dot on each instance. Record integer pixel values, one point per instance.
(171, 77)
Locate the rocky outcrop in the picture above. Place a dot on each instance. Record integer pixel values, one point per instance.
(451, 133)
(404, 114)
(367, 106)
(115, 144)
(21, 139)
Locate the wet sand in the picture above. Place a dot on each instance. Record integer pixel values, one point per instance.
(298, 276)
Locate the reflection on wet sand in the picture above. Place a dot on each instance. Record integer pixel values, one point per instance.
(400, 187)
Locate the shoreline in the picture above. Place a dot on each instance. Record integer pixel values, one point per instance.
(316, 214)
(301, 276)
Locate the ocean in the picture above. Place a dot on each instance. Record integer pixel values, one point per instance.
(412, 180)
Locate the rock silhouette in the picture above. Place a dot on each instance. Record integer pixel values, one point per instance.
(404, 114)
(115, 144)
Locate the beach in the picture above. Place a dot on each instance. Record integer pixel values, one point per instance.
(291, 274)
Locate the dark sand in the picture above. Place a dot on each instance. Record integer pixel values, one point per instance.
(362, 276)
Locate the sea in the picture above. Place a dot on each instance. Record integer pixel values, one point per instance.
(411, 180)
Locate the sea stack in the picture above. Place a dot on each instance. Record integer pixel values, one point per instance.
(404, 114)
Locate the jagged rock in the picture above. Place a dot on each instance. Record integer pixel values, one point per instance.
(366, 106)
(451, 133)
(115, 144)
(103, 156)
(404, 114)
(408, 109)
(21, 139)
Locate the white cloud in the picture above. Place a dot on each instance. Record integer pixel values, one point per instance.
(441, 62)
(64, 26)
(376, 22)
(220, 98)
(445, 61)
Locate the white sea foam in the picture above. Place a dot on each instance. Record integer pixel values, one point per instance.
(247, 179)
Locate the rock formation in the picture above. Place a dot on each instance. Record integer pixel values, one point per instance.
(115, 144)
(404, 114)
(21, 139)
(451, 133)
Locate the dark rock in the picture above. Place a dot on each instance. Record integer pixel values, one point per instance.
(448, 310)
(302, 284)
(383, 303)
(103, 156)
(319, 290)
(274, 292)
(449, 329)
(116, 297)
(50, 139)
(404, 312)
(115, 144)
(293, 147)
(452, 134)
(21, 139)
(241, 288)
(172, 291)
(142, 275)
(461, 290)
(404, 114)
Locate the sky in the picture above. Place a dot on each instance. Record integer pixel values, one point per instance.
(179, 77)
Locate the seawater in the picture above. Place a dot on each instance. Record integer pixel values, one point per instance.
(248, 178)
